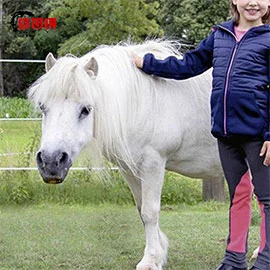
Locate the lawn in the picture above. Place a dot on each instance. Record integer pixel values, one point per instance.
(17, 134)
(109, 236)
(18, 137)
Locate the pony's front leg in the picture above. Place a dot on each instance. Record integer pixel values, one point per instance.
(155, 252)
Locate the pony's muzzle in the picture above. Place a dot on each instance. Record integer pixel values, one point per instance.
(53, 167)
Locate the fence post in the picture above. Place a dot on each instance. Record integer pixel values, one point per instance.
(214, 189)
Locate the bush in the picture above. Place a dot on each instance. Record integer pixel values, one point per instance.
(179, 189)
(89, 188)
(16, 108)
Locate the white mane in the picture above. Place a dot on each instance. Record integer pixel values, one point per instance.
(120, 94)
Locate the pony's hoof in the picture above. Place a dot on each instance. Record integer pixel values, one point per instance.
(148, 267)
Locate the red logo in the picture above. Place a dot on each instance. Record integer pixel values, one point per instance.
(36, 23)
(23, 23)
(49, 23)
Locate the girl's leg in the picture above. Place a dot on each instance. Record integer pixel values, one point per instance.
(261, 182)
(236, 171)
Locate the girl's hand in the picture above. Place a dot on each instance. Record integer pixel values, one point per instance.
(266, 151)
(138, 61)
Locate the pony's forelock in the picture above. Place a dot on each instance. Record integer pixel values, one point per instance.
(66, 79)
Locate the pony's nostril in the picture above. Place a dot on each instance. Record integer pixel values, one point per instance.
(63, 158)
(39, 158)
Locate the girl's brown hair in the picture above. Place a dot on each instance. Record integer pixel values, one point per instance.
(236, 15)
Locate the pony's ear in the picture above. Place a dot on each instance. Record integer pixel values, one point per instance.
(50, 61)
(91, 67)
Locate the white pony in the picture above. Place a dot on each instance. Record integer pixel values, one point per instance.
(142, 123)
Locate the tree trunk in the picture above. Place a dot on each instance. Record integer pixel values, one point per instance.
(1, 42)
(214, 189)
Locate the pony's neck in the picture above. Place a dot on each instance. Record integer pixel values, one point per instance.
(124, 104)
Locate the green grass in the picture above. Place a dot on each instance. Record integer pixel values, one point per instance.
(18, 137)
(17, 134)
(109, 237)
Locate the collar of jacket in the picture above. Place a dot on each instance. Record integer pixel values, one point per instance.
(229, 25)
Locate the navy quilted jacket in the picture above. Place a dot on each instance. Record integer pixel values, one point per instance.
(240, 95)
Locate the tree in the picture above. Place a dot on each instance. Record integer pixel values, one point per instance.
(81, 26)
(192, 20)
(19, 45)
(1, 69)
(89, 23)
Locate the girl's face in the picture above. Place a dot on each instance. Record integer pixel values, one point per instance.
(251, 11)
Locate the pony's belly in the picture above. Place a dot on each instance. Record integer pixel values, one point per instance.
(202, 169)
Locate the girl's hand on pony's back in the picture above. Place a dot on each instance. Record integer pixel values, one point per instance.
(137, 60)
(266, 151)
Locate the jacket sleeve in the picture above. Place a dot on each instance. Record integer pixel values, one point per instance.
(193, 63)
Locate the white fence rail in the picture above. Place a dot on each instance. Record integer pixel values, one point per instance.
(20, 119)
(71, 169)
(21, 61)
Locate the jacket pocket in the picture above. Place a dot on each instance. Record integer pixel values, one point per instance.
(244, 117)
(217, 113)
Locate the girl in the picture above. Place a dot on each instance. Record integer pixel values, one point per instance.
(239, 51)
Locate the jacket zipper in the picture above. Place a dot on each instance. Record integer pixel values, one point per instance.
(226, 89)
(227, 80)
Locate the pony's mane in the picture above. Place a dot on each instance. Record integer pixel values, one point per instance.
(120, 94)
(68, 78)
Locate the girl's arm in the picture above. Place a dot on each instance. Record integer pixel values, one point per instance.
(193, 63)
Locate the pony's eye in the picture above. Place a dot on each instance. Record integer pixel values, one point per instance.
(43, 108)
(85, 111)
